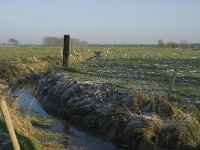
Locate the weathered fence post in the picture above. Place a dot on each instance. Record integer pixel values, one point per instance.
(172, 82)
(66, 50)
(9, 124)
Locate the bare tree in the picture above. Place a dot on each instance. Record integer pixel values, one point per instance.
(13, 41)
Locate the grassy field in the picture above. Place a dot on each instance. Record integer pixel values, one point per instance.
(28, 135)
(18, 52)
(150, 69)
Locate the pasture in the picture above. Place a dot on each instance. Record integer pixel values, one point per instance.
(18, 52)
(146, 69)
(150, 69)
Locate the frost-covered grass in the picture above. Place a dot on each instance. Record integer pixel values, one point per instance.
(129, 114)
(150, 69)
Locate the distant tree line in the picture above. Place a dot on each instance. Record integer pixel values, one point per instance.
(13, 41)
(183, 44)
(56, 41)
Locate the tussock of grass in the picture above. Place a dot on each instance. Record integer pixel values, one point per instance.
(28, 67)
(169, 124)
(146, 103)
(182, 134)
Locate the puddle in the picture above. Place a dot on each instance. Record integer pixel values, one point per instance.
(27, 101)
(152, 73)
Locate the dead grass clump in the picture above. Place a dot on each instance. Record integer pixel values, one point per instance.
(28, 67)
(153, 126)
(170, 128)
(13, 70)
(142, 102)
(3, 87)
(180, 134)
(143, 129)
(166, 109)
(146, 103)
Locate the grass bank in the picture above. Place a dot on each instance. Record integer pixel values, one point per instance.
(13, 70)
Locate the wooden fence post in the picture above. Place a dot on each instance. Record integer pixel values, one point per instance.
(172, 82)
(66, 50)
(9, 124)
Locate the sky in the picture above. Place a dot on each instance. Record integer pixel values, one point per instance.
(101, 21)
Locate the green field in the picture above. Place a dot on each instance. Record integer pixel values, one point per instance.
(19, 52)
(150, 69)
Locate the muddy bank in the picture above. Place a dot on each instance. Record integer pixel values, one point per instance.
(130, 118)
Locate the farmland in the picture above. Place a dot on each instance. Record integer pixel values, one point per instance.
(135, 69)
(18, 52)
(150, 69)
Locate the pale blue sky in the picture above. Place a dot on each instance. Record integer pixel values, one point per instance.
(101, 21)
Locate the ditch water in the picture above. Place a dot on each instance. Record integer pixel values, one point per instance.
(30, 105)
